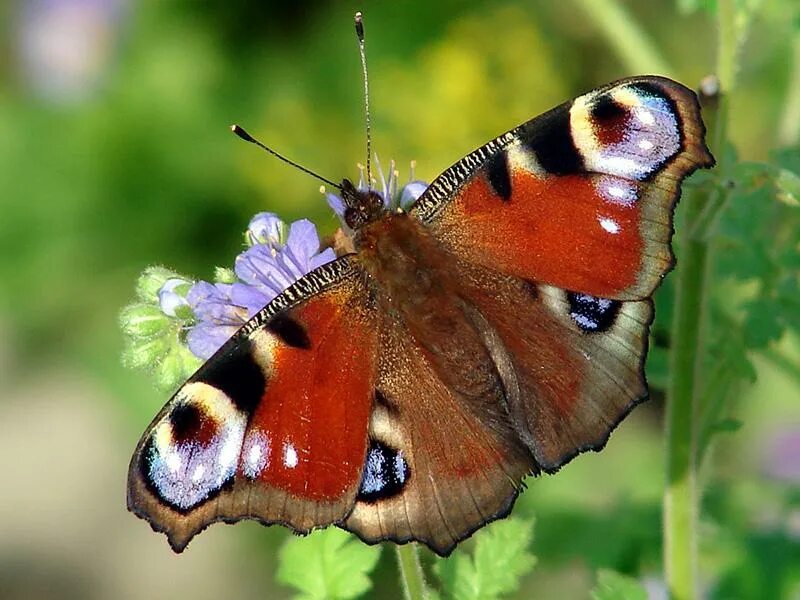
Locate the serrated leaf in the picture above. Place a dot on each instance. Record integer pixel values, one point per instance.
(762, 324)
(330, 564)
(500, 560)
(616, 586)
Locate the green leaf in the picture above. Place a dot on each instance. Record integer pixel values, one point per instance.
(615, 586)
(329, 564)
(500, 560)
(788, 186)
(763, 323)
(726, 426)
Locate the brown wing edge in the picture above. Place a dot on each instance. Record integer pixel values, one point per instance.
(444, 550)
(633, 403)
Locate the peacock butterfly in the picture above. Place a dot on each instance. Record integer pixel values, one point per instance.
(494, 330)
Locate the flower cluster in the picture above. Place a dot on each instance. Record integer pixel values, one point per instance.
(177, 321)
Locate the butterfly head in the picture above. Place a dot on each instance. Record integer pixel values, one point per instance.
(361, 206)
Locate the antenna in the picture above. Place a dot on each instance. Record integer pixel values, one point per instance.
(359, 21)
(249, 138)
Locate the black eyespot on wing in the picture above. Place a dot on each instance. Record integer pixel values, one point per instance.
(550, 137)
(186, 421)
(605, 109)
(385, 473)
(592, 314)
(289, 331)
(236, 374)
(499, 176)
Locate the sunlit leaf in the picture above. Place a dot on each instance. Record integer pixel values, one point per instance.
(500, 559)
(329, 564)
(615, 586)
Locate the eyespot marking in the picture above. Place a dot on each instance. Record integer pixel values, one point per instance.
(193, 451)
(592, 314)
(385, 474)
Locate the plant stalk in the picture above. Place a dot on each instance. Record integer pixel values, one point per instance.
(631, 44)
(411, 574)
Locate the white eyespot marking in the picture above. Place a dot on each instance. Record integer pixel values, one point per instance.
(644, 116)
(646, 145)
(289, 455)
(642, 135)
(193, 450)
(255, 453)
(616, 190)
(199, 471)
(610, 225)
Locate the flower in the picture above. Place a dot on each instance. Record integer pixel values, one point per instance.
(154, 327)
(177, 321)
(393, 197)
(172, 297)
(274, 261)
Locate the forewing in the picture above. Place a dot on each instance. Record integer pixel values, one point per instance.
(580, 197)
(274, 426)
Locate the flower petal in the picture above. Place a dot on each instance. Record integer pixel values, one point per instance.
(205, 338)
(303, 240)
(250, 297)
(322, 258)
(411, 192)
(266, 228)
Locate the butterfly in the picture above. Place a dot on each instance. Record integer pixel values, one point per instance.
(494, 330)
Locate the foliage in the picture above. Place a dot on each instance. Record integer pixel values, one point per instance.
(137, 167)
(328, 564)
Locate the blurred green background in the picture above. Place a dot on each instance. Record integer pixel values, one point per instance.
(115, 155)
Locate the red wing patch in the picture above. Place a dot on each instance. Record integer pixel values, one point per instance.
(308, 433)
(557, 230)
(274, 426)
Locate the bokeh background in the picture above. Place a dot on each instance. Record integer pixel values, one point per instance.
(115, 155)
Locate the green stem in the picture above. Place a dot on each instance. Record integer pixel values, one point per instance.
(728, 45)
(411, 574)
(680, 498)
(789, 128)
(621, 31)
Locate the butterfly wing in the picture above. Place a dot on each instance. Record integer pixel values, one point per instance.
(444, 458)
(580, 197)
(274, 426)
(572, 363)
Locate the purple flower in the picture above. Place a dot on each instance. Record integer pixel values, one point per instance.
(781, 459)
(393, 196)
(170, 299)
(218, 317)
(264, 271)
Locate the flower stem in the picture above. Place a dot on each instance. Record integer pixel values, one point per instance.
(680, 498)
(789, 128)
(411, 574)
(688, 331)
(631, 44)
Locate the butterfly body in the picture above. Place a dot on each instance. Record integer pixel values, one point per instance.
(496, 329)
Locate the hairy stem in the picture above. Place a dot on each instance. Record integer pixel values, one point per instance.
(680, 498)
(411, 574)
(632, 45)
